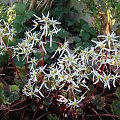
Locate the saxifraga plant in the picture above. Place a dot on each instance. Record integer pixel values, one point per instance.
(66, 81)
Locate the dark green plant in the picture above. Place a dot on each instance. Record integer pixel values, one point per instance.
(52, 117)
(79, 32)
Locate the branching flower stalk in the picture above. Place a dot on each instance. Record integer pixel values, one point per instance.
(8, 32)
(27, 47)
(16, 70)
(27, 67)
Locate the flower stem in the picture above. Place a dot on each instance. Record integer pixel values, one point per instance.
(27, 68)
(106, 115)
(43, 53)
(14, 65)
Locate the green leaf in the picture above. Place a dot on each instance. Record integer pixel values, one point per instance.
(38, 55)
(46, 56)
(85, 36)
(71, 23)
(19, 8)
(1, 100)
(118, 92)
(63, 34)
(77, 39)
(4, 59)
(115, 107)
(22, 15)
(1, 91)
(79, 45)
(7, 91)
(14, 88)
(21, 62)
(98, 25)
(87, 44)
(1, 85)
(19, 19)
(13, 97)
(19, 83)
(90, 92)
(98, 101)
(92, 31)
(47, 60)
(22, 71)
(18, 27)
(86, 27)
(52, 117)
(53, 48)
(82, 22)
(28, 14)
(2, 96)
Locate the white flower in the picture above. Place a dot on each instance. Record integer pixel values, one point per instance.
(47, 26)
(114, 78)
(24, 48)
(51, 33)
(54, 71)
(35, 24)
(28, 90)
(106, 79)
(111, 38)
(99, 44)
(6, 30)
(62, 49)
(75, 102)
(33, 62)
(33, 75)
(42, 45)
(116, 58)
(62, 99)
(54, 23)
(51, 37)
(70, 59)
(96, 76)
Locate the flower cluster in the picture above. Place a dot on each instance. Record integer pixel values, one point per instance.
(107, 55)
(69, 71)
(73, 70)
(68, 74)
(47, 26)
(7, 33)
(32, 88)
(34, 42)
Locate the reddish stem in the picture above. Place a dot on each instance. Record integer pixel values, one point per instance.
(43, 53)
(21, 107)
(16, 70)
(27, 68)
(45, 114)
(106, 115)
(110, 95)
(14, 65)
(20, 102)
(102, 69)
(96, 88)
